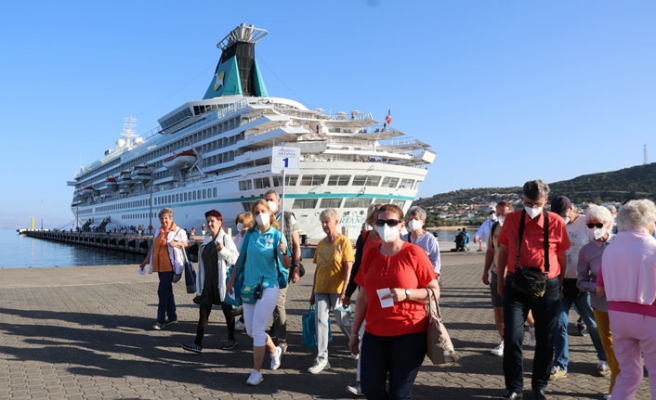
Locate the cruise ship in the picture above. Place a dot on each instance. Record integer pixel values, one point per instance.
(216, 153)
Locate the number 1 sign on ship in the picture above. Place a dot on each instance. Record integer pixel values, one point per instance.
(285, 160)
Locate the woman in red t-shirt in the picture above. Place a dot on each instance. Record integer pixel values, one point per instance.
(392, 279)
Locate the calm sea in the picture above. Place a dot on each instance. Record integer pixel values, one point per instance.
(22, 251)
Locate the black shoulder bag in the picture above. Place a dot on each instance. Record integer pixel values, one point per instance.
(530, 280)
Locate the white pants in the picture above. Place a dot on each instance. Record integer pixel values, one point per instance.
(256, 316)
(324, 303)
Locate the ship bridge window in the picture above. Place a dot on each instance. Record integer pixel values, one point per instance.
(400, 203)
(366, 180)
(312, 180)
(381, 201)
(338, 180)
(247, 205)
(406, 184)
(292, 180)
(261, 183)
(300, 204)
(330, 203)
(390, 182)
(245, 185)
(357, 202)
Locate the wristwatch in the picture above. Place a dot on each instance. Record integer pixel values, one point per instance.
(407, 294)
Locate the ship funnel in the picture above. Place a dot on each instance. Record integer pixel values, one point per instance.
(237, 72)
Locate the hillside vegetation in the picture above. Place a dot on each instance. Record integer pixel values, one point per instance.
(615, 186)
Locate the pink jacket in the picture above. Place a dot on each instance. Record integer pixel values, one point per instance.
(628, 267)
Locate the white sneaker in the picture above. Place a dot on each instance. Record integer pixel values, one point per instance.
(275, 358)
(603, 369)
(255, 378)
(606, 397)
(498, 351)
(531, 337)
(239, 326)
(319, 365)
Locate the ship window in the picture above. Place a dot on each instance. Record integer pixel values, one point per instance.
(338, 180)
(400, 203)
(247, 205)
(381, 201)
(214, 191)
(330, 203)
(365, 180)
(199, 195)
(204, 194)
(261, 183)
(194, 195)
(304, 204)
(357, 202)
(184, 196)
(390, 182)
(245, 185)
(170, 199)
(312, 180)
(406, 184)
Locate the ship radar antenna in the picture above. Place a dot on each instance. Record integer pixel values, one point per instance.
(129, 129)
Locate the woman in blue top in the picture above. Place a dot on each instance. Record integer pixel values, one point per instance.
(257, 261)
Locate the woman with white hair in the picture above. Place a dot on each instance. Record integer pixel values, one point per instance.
(416, 217)
(628, 280)
(599, 221)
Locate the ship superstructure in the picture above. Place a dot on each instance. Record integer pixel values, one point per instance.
(216, 153)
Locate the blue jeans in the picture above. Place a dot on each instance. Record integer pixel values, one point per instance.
(166, 305)
(561, 341)
(516, 306)
(399, 356)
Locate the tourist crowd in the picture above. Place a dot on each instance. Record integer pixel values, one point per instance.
(539, 265)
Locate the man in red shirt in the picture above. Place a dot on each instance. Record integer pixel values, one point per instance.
(517, 300)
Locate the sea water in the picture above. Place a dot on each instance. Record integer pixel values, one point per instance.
(22, 252)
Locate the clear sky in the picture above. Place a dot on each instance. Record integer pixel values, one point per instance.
(503, 91)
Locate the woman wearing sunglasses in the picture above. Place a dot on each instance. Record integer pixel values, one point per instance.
(599, 221)
(392, 281)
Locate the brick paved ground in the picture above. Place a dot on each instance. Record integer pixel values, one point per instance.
(84, 333)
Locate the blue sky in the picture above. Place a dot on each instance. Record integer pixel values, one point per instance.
(503, 91)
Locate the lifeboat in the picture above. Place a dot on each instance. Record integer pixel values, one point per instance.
(125, 178)
(182, 160)
(87, 191)
(111, 183)
(141, 173)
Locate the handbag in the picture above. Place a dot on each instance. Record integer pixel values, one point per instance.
(439, 347)
(177, 275)
(310, 328)
(239, 282)
(189, 273)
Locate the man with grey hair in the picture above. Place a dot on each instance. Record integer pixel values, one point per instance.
(532, 246)
(290, 230)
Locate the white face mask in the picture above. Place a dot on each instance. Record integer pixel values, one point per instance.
(533, 211)
(388, 233)
(493, 217)
(240, 226)
(273, 206)
(262, 219)
(566, 220)
(501, 219)
(414, 225)
(598, 233)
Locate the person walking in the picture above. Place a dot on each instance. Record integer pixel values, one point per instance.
(393, 282)
(334, 258)
(263, 253)
(628, 281)
(532, 246)
(165, 257)
(215, 255)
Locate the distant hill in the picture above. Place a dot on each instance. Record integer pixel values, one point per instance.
(615, 186)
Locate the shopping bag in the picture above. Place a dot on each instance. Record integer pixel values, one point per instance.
(439, 346)
(310, 328)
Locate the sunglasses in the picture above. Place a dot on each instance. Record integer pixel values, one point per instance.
(597, 225)
(388, 222)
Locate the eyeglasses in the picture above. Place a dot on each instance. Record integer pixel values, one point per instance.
(388, 222)
(598, 225)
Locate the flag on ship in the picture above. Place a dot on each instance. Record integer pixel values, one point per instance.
(388, 117)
